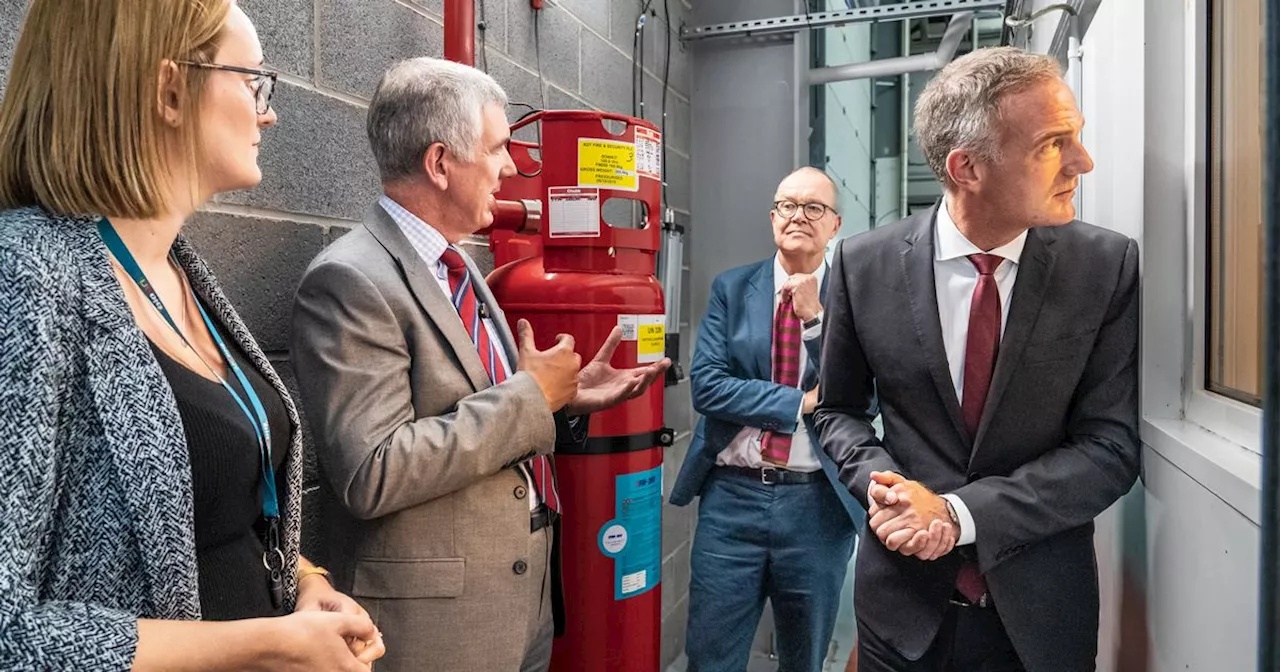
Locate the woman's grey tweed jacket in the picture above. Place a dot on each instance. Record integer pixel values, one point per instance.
(95, 482)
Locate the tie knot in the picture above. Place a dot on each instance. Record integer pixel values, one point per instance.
(452, 259)
(986, 263)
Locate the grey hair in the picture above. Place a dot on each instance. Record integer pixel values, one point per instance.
(960, 107)
(422, 101)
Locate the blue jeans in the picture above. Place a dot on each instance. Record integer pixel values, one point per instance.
(788, 543)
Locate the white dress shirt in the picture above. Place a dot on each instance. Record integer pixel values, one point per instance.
(430, 245)
(955, 278)
(744, 450)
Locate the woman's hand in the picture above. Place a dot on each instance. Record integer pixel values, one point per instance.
(316, 594)
(319, 641)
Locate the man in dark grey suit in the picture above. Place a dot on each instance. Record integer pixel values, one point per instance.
(1000, 337)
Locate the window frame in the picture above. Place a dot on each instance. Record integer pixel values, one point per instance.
(1209, 243)
(1238, 422)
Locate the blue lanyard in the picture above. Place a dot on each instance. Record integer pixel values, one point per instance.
(257, 418)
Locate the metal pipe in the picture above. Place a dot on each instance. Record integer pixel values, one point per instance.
(460, 31)
(1075, 80)
(522, 216)
(890, 67)
(1269, 607)
(802, 96)
(904, 185)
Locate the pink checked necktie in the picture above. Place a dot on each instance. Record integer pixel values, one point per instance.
(775, 447)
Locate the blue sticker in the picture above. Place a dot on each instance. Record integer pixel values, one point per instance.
(633, 538)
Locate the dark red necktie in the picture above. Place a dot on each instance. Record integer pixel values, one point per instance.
(981, 347)
(775, 447)
(464, 300)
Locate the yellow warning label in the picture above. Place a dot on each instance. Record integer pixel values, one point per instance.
(651, 338)
(607, 163)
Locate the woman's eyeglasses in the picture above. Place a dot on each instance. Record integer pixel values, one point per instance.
(263, 82)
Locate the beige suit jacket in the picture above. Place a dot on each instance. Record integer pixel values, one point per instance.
(423, 520)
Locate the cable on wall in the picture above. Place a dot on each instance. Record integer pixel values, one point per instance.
(666, 82)
(482, 28)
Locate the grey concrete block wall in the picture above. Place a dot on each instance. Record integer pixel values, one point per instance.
(319, 176)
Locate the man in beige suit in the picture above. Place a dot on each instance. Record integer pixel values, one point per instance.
(432, 428)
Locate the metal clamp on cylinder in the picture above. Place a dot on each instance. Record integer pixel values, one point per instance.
(605, 445)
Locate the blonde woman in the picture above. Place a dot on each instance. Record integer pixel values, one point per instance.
(151, 456)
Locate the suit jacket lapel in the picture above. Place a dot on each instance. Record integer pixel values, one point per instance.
(811, 366)
(422, 282)
(1034, 270)
(759, 298)
(917, 270)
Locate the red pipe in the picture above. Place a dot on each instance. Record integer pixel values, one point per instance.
(518, 216)
(460, 31)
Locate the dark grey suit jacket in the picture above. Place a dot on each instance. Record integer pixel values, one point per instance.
(1057, 444)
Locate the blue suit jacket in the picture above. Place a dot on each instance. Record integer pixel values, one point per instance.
(731, 377)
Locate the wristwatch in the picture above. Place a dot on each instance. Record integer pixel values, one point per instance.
(951, 511)
(817, 320)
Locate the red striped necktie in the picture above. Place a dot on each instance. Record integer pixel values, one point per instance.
(463, 296)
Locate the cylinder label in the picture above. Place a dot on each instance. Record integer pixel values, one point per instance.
(573, 212)
(650, 334)
(651, 341)
(634, 537)
(648, 153)
(607, 163)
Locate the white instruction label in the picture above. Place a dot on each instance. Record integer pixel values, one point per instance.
(573, 212)
(633, 582)
(648, 153)
(649, 333)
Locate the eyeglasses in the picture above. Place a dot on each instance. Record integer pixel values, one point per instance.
(812, 211)
(263, 82)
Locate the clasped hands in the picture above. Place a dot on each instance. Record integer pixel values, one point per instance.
(909, 518)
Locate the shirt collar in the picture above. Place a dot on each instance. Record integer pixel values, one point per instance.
(780, 275)
(949, 243)
(426, 240)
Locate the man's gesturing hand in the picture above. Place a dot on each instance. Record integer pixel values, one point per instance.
(554, 369)
(601, 386)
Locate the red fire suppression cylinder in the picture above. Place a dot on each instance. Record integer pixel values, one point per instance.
(583, 277)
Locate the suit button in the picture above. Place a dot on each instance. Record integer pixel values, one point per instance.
(520, 567)
(519, 492)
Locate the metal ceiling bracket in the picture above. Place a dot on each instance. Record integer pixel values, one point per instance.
(889, 67)
(798, 22)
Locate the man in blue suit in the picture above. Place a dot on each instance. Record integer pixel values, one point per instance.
(771, 521)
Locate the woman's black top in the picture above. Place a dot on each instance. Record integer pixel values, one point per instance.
(226, 470)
